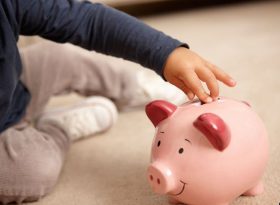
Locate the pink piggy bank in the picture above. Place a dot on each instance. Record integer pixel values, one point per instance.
(207, 153)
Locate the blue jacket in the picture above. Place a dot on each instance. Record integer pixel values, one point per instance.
(91, 26)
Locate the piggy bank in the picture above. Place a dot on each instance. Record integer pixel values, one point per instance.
(207, 153)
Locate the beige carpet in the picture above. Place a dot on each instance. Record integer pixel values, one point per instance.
(244, 40)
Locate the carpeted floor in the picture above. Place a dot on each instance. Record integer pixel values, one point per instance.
(109, 169)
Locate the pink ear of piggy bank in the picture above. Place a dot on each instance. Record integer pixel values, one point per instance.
(207, 153)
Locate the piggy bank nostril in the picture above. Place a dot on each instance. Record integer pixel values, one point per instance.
(151, 177)
(158, 180)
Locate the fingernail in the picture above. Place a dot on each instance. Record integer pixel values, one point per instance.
(208, 99)
(232, 82)
(191, 96)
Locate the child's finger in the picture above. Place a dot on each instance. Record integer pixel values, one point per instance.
(180, 84)
(222, 76)
(207, 76)
(192, 81)
(190, 95)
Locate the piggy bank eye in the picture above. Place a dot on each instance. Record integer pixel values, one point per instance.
(158, 144)
(181, 150)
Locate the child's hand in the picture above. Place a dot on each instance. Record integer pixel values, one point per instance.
(185, 69)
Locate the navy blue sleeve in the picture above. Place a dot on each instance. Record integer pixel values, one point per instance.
(96, 27)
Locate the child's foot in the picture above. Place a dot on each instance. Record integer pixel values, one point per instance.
(92, 115)
(153, 87)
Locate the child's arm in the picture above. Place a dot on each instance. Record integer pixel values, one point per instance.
(96, 27)
(106, 30)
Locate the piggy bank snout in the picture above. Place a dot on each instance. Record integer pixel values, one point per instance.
(160, 178)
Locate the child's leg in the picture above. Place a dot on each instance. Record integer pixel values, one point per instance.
(65, 68)
(31, 161)
(53, 69)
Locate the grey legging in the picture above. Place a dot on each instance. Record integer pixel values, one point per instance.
(31, 157)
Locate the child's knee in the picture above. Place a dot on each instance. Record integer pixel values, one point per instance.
(29, 169)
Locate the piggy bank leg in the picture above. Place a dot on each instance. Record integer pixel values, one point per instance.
(256, 190)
